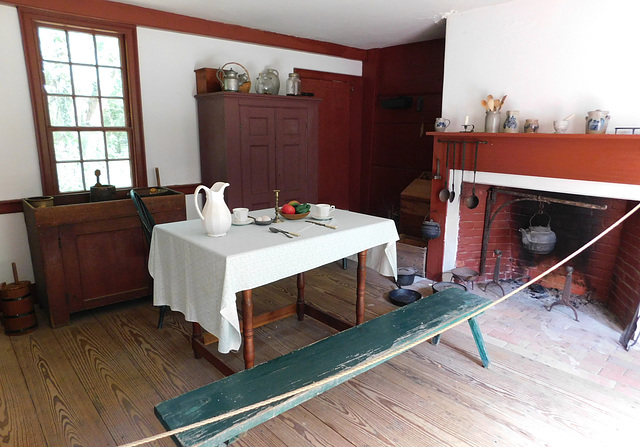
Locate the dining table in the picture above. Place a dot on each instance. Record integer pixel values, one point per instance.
(202, 277)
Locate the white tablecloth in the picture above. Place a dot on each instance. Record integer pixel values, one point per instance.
(200, 275)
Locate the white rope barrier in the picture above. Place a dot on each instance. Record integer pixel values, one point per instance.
(379, 358)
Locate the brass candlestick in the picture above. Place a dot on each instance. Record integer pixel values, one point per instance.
(277, 218)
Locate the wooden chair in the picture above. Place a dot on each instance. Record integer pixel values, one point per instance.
(147, 227)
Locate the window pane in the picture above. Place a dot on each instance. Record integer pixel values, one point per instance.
(57, 78)
(61, 111)
(117, 145)
(90, 173)
(65, 146)
(85, 80)
(108, 51)
(53, 44)
(82, 49)
(120, 173)
(70, 177)
(88, 112)
(92, 145)
(113, 112)
(110, 82)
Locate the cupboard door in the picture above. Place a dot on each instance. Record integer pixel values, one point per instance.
(104, 262)
(292, 166)
(258, 153)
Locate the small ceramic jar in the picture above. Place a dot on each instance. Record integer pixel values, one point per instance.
(531, 126)
(512, 123)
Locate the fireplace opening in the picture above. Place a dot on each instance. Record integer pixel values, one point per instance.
(606, 272)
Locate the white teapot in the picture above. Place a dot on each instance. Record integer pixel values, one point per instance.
(215, 215)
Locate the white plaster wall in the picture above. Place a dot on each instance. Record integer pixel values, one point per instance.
(19, 166)
(551, 57)
(167, 61)
(167, 64)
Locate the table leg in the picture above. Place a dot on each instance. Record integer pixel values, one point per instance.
(362, 276)
(247, 324)
(196, 335)
(300, 301)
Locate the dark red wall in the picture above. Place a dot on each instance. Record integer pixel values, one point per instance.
(394, 148)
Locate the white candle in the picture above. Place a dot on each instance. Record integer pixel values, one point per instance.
(466, 120)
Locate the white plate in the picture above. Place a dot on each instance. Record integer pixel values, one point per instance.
(329, 217)
(246, 222)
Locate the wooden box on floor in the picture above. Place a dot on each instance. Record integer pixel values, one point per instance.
(412, 252)
(414, 206)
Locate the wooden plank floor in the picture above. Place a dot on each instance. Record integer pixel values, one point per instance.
(96, 381)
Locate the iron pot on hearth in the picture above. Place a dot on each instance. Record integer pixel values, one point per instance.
(538, 239)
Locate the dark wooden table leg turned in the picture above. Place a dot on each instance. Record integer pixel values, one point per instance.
(362, 276)
(196, 336)
(300, 301)
(247, 325)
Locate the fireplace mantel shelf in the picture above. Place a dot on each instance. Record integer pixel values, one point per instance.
(599, 158)
(483, 136)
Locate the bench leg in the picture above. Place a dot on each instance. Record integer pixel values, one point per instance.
(247, 324)
(477, 336)
(435, 340)
(300, 301)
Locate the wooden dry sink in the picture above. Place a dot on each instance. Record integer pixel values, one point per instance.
(316, 368)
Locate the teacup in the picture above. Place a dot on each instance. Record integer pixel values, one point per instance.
(441, 124)
(240, 214)
(322, 210)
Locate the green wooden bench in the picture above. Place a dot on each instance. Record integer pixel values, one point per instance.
(316, 368)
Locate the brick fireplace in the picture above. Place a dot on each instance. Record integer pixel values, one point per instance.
(596, 170)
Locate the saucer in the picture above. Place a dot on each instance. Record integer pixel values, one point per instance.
(240, 223)
(329, 217)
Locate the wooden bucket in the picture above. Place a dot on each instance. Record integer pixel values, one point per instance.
(18, 314)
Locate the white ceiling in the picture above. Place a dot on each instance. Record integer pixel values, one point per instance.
(361, 24)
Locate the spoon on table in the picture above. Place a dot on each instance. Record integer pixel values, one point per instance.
(443, 195)
(275, 230)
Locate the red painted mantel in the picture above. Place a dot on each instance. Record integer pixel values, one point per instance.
(599, 158)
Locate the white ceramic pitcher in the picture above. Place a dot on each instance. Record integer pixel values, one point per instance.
(215, 215)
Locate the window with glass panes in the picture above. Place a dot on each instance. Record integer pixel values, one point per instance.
(85, 102)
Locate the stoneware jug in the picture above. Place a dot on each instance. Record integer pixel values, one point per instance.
(215, 215)
(597, 121)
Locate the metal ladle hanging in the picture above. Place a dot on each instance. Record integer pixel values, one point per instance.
(452, 196)
(443, 195)
(472, 201)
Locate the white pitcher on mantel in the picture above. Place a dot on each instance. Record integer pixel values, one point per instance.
(215, 215)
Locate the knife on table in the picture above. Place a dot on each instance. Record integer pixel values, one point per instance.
(322, 225)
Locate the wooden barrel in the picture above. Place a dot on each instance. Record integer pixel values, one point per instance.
(18, 314)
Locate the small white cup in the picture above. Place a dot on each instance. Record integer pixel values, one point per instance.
(240, 214)
(323, 209)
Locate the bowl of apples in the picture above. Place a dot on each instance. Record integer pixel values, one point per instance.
(295, 210)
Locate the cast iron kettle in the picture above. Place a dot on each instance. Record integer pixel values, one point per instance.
(538, 239)
(430, 229)
(100, 192)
